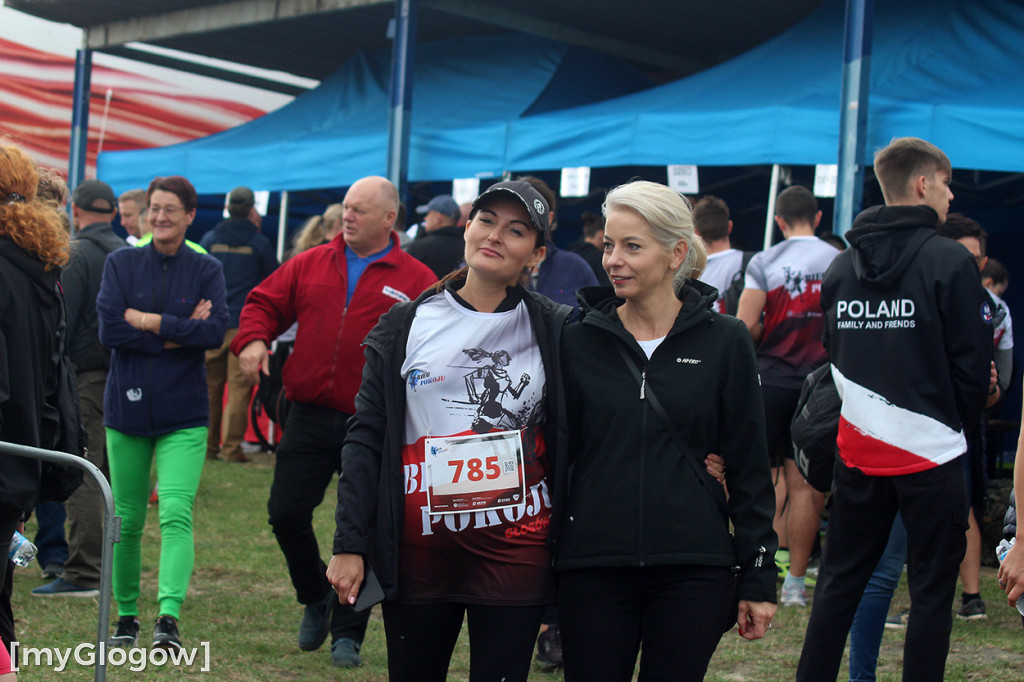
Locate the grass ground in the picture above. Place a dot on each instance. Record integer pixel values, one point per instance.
(241, 602)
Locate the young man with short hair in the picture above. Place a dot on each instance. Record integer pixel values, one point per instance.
(784, 284)
(909, 335)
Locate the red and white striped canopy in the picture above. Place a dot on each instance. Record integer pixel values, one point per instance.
(127, 110)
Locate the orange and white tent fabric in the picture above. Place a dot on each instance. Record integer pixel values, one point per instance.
(127, 110)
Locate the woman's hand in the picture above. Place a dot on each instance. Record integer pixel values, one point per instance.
(144, 322)
(202, 310)
(754, 618)
(715, 465)
(345, 573)
(1011, 572)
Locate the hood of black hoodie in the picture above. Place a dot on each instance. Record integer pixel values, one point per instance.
(697, 297)
(885, 239)
(43, 280)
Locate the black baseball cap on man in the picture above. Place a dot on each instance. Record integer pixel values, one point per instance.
(241, 197)
(95, 196)
(532, 200)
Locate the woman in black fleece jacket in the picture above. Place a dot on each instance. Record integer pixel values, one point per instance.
(645, 555)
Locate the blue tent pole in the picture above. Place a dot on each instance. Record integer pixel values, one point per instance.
(403, 57)
(853, 117)
(80, 118)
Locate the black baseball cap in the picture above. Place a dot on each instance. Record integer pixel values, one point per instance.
(531, 199)
(242, 197)
(95, 196)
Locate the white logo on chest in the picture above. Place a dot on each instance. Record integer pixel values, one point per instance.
(689, 361)
(134, 394)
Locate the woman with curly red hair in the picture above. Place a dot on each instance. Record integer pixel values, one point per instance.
(33, 246)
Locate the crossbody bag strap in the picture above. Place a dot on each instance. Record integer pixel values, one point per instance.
(647, 393)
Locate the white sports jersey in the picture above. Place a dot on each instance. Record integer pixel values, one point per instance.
(722, 268)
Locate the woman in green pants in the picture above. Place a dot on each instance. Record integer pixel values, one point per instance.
(160, 307)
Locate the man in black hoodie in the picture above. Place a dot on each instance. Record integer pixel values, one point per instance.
(909, 336)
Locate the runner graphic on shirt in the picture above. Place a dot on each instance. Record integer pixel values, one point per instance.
(488, 385)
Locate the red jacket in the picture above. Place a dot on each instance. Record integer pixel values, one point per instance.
(326, 365)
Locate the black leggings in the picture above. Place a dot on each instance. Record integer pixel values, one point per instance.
(421, 638)
(678, 613)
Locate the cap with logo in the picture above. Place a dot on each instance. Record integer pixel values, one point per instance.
(443, 204)
(531, 199)
(95, 196)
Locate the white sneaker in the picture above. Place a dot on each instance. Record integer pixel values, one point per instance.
(794, 595)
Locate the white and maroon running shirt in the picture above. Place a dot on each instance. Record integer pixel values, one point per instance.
(720, 272)
(790, 273)
(1003, 334)
(467, 373)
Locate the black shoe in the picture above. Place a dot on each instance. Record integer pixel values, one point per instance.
(126, 635)
(316, 623)
(165, 634)
(549, 649)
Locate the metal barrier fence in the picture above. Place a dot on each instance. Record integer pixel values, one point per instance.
(111, 534)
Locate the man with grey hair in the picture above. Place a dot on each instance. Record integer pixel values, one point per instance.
(336, 292)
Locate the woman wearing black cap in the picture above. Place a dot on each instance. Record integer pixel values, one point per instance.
(449, 458)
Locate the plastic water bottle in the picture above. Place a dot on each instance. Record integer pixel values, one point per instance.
(1001, 549)
(22, 550)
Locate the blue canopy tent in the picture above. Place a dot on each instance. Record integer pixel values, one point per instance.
(465, 92)
(949, 71)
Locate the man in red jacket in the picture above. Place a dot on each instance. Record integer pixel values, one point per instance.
(336, 292)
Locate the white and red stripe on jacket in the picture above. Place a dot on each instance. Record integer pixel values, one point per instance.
(883, 439)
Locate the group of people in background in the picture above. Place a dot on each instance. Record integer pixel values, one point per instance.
(591, 443)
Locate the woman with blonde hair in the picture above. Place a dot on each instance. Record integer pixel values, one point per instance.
(318, 230)
(33, 246)
(654, 381)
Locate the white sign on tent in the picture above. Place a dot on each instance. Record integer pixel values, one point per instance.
(575, 182)
(826, 176)
(683, 179)
(465, 190)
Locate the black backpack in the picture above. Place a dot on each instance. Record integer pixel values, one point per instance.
(815, 427)
(270, 396)
(63, 422)
(732, 294)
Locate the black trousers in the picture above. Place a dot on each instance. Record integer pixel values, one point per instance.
(308, 455)
(678, 614)
(421, 638)
(934, 509)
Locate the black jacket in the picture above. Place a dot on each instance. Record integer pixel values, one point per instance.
(908, 330)
(81, 283)
(30, 348)
(633, 499)
(247, 256)
(442, 250)
(371, 489)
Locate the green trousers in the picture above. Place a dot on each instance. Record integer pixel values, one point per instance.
(179, 459)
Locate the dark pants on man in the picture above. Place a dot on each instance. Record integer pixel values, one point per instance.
(933, 506)
(308, 455)
(85, 506)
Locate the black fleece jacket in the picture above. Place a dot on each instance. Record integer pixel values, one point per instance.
(633, 499)
(371, 488)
